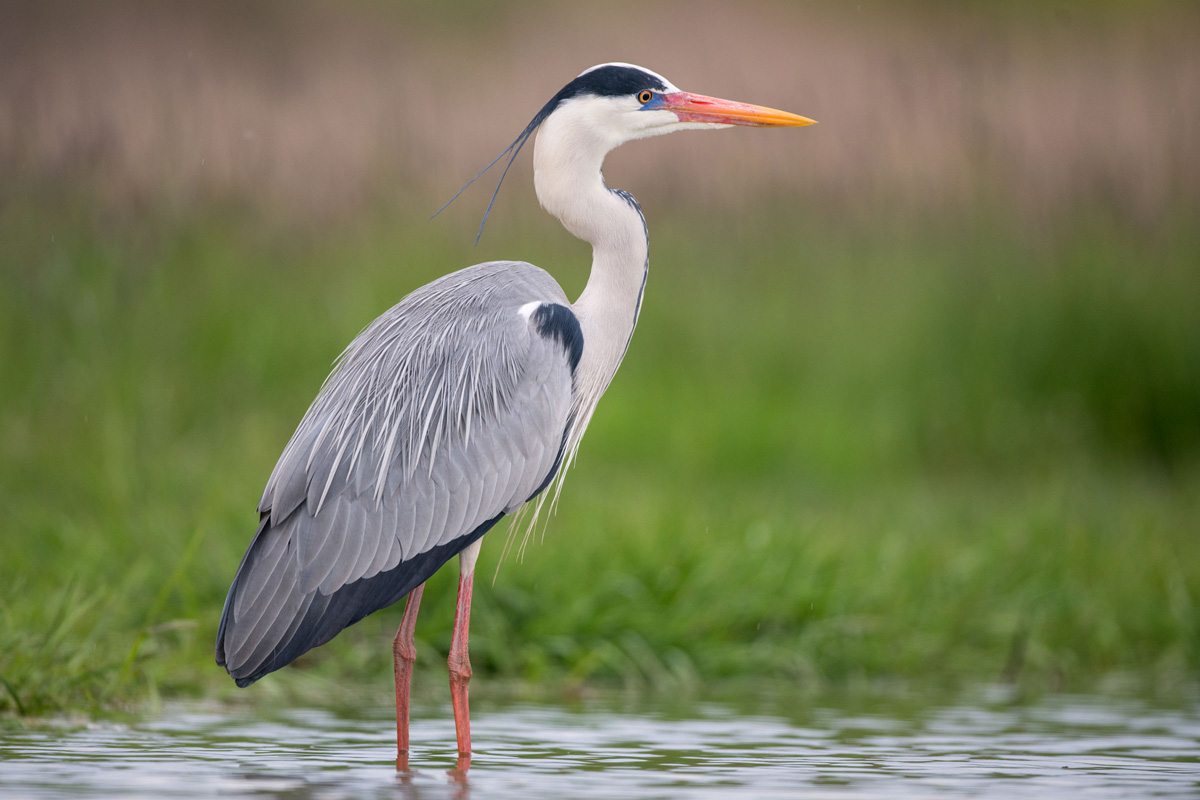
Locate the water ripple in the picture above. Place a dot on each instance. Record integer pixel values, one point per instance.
(1085, 747)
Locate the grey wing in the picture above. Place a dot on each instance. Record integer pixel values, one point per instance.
(445, 414)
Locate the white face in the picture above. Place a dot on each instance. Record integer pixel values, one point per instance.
(616, 120)
(612, 121)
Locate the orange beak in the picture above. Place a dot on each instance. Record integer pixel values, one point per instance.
(690, 107)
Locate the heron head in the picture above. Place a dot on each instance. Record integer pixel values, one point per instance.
(614, 103)
(610, 104)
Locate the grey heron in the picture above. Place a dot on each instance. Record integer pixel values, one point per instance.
(458, 405)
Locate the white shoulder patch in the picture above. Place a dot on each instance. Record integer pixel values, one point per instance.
(527, 310)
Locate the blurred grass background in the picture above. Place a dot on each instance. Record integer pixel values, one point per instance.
(915, 395)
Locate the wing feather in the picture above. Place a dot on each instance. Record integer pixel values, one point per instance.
(471, 499)
(248, 631)
(403, 517)
(261, 564)
(270, 627)
(373, 541)
(457, 496)
(422, 499)
(516, 463)
(320, 540)
(439, 504)
(343, 565)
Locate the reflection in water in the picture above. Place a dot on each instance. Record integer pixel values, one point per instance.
(1068, 746)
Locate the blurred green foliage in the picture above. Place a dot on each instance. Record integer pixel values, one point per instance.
(833, 454)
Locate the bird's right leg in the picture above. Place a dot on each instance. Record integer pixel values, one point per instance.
(404, 654)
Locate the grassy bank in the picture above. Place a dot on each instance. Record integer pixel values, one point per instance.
(831, 455)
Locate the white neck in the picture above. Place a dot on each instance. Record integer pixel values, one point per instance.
(567, 160)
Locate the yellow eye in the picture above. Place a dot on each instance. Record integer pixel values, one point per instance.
(645, 96)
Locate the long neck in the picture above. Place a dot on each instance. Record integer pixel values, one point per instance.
(570, 186)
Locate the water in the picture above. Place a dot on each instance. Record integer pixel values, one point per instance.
(1069, 746)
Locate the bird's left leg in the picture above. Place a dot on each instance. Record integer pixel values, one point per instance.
(404, 653)
(460, 664)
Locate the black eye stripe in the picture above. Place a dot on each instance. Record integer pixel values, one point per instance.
(612, 81)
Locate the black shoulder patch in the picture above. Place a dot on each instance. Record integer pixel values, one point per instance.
(556, 321)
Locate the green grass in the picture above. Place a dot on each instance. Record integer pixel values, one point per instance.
(831, 456)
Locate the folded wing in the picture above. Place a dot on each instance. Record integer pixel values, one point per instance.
(445, 414)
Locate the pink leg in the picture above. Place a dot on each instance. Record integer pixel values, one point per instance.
(404, 653)
(460, 670)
